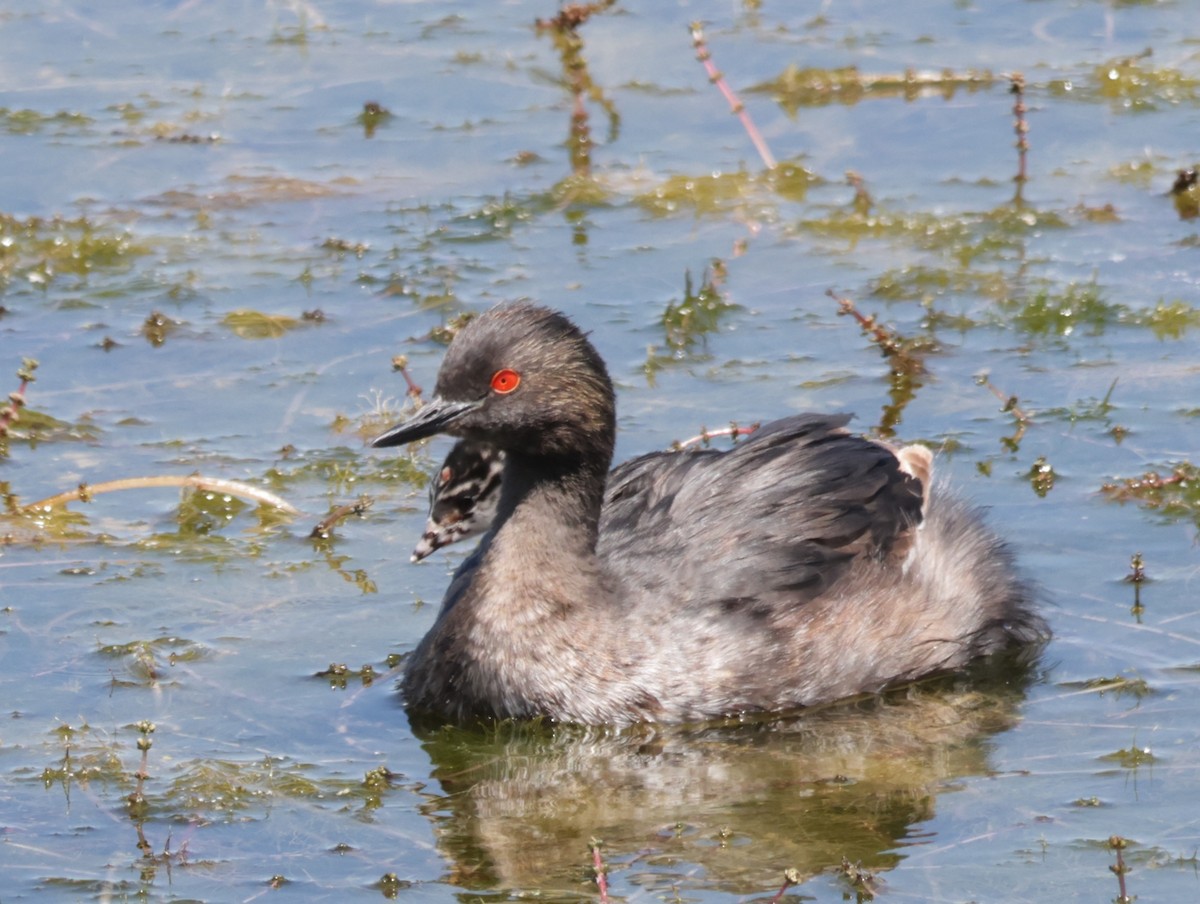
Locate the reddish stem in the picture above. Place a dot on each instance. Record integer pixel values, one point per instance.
(705, 435)
(9, 412)
(788, 882)
(400, 363)
(601, 878)
(735, 104)
(1021, 127)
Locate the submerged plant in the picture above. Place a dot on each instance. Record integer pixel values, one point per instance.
(1079, 305)
(906, 361)
(26, 121)
(798, 87)
(257, 325)
(1131, 83)
(564, 31)
(1185, 192)
(699, 313)
(10, 413)
(38, 250)
(1174, 495)
(689, 321)
(721, 192)
(85, 757)
(373, 115)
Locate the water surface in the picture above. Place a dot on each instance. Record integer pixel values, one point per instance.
(214, 255)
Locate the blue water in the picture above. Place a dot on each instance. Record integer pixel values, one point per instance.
(214, 624)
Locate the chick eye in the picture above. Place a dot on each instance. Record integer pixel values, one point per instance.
(505, 381)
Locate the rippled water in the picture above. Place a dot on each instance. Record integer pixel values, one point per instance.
(214, 254)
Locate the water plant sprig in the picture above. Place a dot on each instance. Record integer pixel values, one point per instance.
(705, 436)
(86, 491)
(1120, 868)
(323, 529)
(790, 877)
(704, 55)
(1011, 405)
(599, 871)
(1021, 127)
(1137, 577)
(11, 412)
(905, 356)
(564, 30)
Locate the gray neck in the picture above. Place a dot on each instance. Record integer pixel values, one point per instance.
(555, 501)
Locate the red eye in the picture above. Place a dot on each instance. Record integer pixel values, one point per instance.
(505, 381)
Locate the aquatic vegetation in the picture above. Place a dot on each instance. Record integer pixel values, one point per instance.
(1118, 686)
(1185, 193)
(157, 327)
(204, 512)
(722, 192)
(1078, 306)
(1120, 869)
(1041, 477)
(36, 427)
(86, 757)
(10, 412)
(698, 313)
(1168, 319)
(689, 321)
(38, 251)
(324, 554)
(250, 190)
(54, 524)
(1085, 409)
(906, 362)
(26, 121)
(323, 529)
(1140, 172)
(341, 470)
(863, 883)
(995, 235)
(495, 219)
(339, 675)
(1082, 307)
(342, 247)
(579, 188)
(1020, 128)
(373, 115)
(211, 197)
(1105, 213)
(1131, 83)
(1130, 757)
(921, 283)
(1004, 231)
(1174, 495)
(222, 787)
(148, 662)
(85, 492)
(798, 87)
(702, 194)
(445, 333)
(704, 55)
(209, 786)
(257, 325)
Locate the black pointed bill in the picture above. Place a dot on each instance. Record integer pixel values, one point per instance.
(434, 418)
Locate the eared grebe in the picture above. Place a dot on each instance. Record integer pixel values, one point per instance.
(805, 565)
